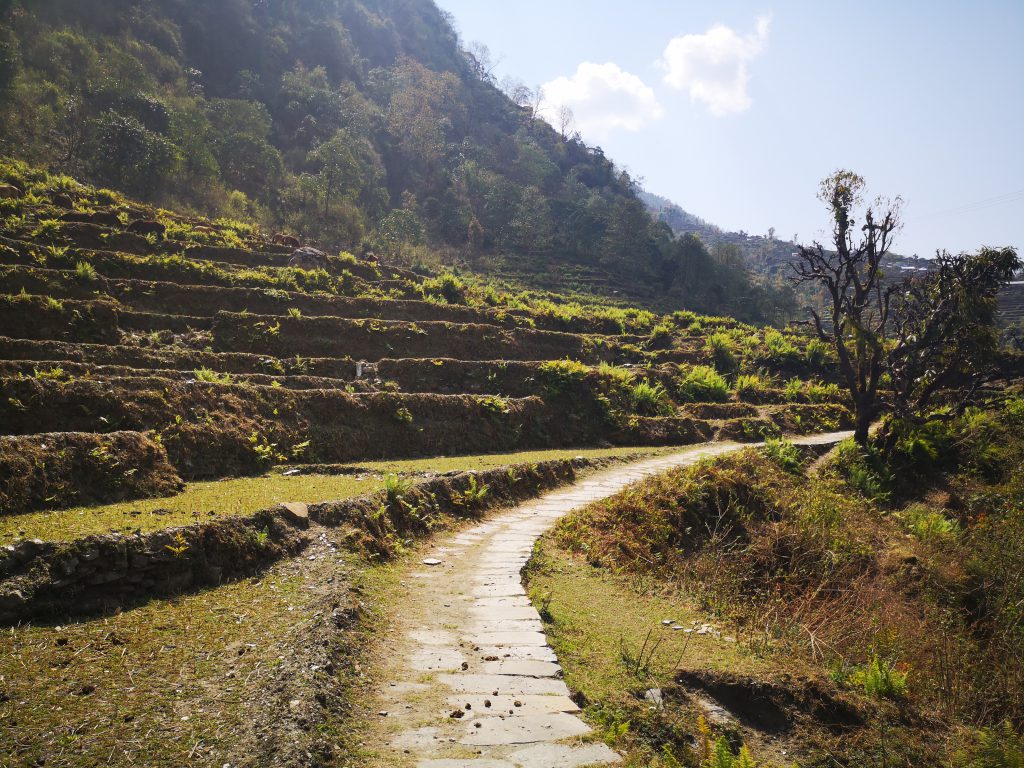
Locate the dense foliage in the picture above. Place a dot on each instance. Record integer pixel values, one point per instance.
(352, 122)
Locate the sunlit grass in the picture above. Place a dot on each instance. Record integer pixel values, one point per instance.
(198, 502)
(204, 501)
(492, 460)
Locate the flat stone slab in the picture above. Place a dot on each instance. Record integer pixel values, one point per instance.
(436, 659)
(529, 704)
(464, 763)
(511, 589)
(433, 637)
(494, 731)
(505, 612)
(563, 756)
(509, 625)
(419, 740)
(504, 685)
(538, 652)
(488, 602)
(510, 637)
(522, 667)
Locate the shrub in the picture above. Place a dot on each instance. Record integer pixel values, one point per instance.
(618, 375)
(723, 352)
(793, 390)
(661, 336)
(559, 375)
(749, 385)
(475, 493)
(929, 525)
(819, 392)
(998, 747)
(783, 453)
(211, 376)
(881, 679)
(817, 352)
(395, 487)
(85, 272)
(445, 286)
(722, 756)
(684, 318)
(702, 383)
(863, 470)
(649, 399)
(778, 347)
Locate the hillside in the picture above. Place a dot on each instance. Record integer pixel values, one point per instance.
(359, 124)
(765, 255)
(167, 380)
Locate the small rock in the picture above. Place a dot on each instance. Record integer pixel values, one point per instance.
(465, 666)
(432, 561)
(653, 695)
(296, 510)
(457, 713)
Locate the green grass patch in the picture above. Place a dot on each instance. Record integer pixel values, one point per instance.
(610, 640)
(199, 502)
(493, 460)
(204, 501)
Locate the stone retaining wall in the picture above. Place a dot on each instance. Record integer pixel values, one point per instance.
(40, 579)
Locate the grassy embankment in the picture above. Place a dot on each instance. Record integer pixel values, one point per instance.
(874, 602)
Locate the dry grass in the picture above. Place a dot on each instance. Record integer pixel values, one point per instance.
(165, 684)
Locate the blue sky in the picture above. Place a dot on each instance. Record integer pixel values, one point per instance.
(736, 110)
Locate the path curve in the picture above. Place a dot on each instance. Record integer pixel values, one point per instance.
(471, 680)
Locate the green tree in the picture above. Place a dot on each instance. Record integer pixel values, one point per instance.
(397, 231)
(128, 155)
(945, 338)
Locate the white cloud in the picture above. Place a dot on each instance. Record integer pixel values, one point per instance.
(603, 98)
(713, 67)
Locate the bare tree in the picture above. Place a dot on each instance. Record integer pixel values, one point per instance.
(934, 335)
(479, 58)
(566, 121)
(857, 299)
(518, 91)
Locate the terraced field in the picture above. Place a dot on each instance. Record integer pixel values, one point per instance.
(143, 379)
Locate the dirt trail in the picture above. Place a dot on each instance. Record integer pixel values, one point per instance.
(470, 681)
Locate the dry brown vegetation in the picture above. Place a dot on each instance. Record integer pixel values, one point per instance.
(892, 580)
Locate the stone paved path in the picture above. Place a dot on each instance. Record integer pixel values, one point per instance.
(472, 682)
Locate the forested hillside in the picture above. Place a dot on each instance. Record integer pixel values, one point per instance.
(353, 123)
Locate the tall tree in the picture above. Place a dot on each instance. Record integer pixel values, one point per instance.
(934, 335)
(857, 299)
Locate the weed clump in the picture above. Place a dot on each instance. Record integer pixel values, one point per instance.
(702, 383)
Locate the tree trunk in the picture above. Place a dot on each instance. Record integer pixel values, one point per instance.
(865, 413)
